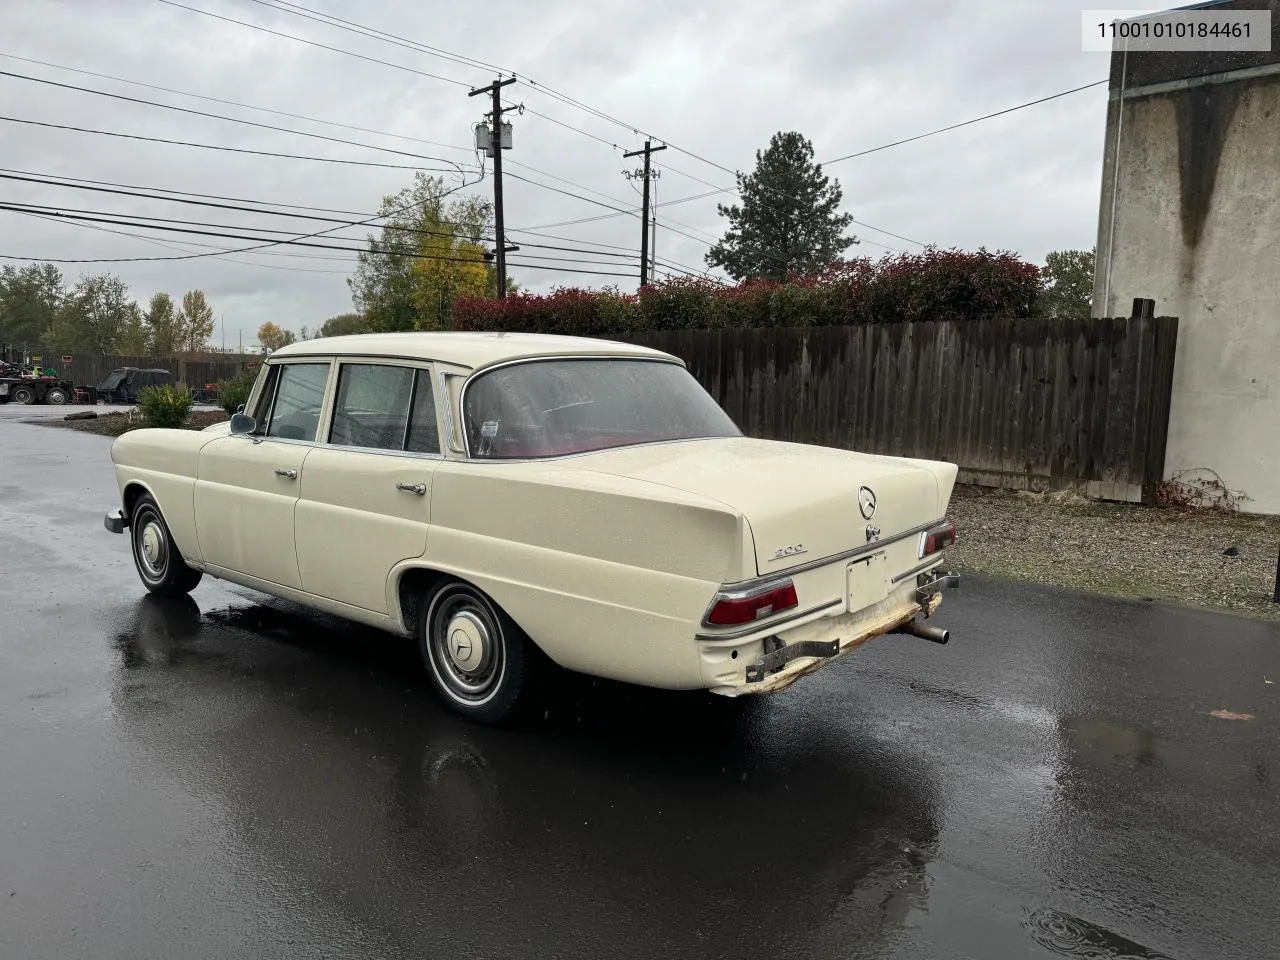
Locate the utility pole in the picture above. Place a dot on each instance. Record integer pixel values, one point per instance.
(495, 147)
(648, 150)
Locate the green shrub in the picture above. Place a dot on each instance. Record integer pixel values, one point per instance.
(166, 405)
(234, 392)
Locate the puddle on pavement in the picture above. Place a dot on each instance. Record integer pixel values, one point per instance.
(1070, 936)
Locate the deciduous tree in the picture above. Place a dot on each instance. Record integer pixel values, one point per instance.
(30, 297)
(93, 316)
(273, 337)
(162, 322)
(430, 251)
(342, 324)
(196, 320)
(1066, 284)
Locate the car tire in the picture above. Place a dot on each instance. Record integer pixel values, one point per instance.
(158, 561)
(23, 395)
(478, 660)
(56, 396)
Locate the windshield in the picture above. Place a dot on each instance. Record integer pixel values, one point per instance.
(550, 408)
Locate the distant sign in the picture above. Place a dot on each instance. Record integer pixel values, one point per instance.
(35, 358)
(66, 358)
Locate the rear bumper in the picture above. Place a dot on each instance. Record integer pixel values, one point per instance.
(777, 661)
(115, 521)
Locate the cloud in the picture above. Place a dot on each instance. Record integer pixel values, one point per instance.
(714, 80)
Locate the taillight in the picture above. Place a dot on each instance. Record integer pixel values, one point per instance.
(744, 607)
(937, 538)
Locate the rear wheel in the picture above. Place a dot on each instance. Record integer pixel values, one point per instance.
(156, 556)
(56, 396)
(23, 395)
(478, 660)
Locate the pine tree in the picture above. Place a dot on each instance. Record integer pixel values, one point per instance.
(788, 222)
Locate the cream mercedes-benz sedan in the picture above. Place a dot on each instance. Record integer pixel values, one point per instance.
(505, 497)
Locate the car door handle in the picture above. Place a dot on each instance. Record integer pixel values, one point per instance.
(287, 474)
(419, 488)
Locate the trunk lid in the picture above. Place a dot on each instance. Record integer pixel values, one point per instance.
(802, 502)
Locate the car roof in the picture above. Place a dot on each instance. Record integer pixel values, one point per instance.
(465, 348)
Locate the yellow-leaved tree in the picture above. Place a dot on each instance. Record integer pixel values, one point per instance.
(431, 251)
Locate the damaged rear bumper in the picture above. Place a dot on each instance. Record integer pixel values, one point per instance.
(787, 657)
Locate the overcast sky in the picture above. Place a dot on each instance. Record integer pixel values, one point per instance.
(714, 79)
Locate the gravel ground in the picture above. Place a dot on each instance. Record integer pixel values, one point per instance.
(1120, 549)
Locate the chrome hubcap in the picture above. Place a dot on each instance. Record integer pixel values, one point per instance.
(152, 550)
(468, 642)
(466, 646)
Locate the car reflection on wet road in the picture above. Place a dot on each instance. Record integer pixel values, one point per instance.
(234, 776)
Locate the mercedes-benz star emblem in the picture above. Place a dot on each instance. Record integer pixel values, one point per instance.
(867, 502)
(461, 645)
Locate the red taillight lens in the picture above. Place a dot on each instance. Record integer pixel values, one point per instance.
(937, 538)
(730, 608)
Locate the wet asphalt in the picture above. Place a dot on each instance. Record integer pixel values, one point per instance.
(235, 776)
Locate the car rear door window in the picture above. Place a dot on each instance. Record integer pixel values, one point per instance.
(299, 397)
(372, 408)
(381, 406)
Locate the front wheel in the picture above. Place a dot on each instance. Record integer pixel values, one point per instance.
(156, 556)
(478, 660)
(23, 395)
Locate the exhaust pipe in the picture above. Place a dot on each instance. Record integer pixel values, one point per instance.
(925, 632)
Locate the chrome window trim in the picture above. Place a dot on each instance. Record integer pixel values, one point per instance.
(872, 547)
(476, 374)
(768, 623)
(451, 436)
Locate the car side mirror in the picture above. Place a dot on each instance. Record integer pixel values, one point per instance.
(242, 424)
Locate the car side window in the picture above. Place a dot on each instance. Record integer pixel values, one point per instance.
(424, 435)
(299, 396)
(372, 407)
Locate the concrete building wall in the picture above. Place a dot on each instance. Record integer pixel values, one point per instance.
(1191, 196)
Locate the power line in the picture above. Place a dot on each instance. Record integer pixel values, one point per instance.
(240, 207)
(191, 243)
(211, 146)
(313, 43)
(183, 193)
(964, 123)
(360, 29)
(376, 34)
(301, 242)
(218, 116)
(115, 217)
(248, 106)
(236, 103)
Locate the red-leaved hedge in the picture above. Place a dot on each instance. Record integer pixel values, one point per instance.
(933, 285)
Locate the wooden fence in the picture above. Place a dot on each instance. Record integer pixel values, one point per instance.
(1021, 404)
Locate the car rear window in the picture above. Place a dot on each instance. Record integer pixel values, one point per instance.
(547, 408)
